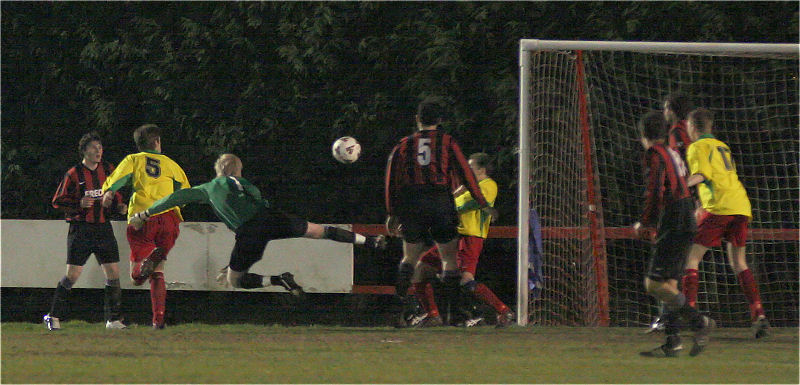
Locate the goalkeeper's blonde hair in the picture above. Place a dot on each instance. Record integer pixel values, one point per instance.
(228, 165)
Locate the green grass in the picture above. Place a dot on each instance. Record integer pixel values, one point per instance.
(198, 353)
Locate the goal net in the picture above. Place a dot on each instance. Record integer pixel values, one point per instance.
(581, 169)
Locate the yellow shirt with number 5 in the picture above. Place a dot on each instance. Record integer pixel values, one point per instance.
(151, 176)
(721, 193)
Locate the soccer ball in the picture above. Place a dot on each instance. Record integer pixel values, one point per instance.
(346, 149)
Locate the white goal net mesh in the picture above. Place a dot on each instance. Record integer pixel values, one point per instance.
(755, 102)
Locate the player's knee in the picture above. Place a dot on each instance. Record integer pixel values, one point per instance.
(738, 265)
(72, 277)
(451, 276)
(67, 282)
(405, 271)
(653, 283)
(469, 286)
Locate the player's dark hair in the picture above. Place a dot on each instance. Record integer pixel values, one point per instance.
(146, 135)
(702, 119)
(431, 111)
(652, 126)
(679, 103)
(87, 138)
(482, 160)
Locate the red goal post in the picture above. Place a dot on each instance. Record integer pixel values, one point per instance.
(579, 101)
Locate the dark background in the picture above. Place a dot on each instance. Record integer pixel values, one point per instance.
(277, 83)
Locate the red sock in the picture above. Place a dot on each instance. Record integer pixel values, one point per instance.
(486, 295)
(158, 297)
(689, 284)
(750, 288)
(424, 293)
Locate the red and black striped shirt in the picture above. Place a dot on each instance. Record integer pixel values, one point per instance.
(78, 182)
(665, 178)
(429, 157)
(679, 139)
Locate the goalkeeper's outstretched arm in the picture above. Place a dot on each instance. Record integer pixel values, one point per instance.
(178, 198)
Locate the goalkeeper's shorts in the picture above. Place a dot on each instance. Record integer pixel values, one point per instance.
(252, 237)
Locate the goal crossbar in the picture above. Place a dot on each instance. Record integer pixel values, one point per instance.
(661, 47)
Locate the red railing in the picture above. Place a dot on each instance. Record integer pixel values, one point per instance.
(510, 232)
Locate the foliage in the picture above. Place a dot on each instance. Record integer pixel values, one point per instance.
(277, 82)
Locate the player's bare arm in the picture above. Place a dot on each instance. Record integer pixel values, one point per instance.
(695, 179)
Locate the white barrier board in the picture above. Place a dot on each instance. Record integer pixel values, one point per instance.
(33, 253)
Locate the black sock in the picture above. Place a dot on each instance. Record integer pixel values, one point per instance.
(59, 305)
(404, 273)
(112, 300)
(673, 340)
(468, 300)
(251, 281)
(339, 235)
(672, 324)
(451, 283)
(691, 315)
(678, 305)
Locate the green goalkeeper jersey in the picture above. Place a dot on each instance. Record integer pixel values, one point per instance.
(234, 199)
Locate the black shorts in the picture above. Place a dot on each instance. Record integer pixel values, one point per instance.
(427, 213)
(252, 237)
(669, 255)
(84, 239)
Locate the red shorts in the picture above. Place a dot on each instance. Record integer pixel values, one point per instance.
(469, 250)
(713, 228)
(159, 231)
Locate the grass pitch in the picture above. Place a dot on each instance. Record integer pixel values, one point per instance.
(199, 353)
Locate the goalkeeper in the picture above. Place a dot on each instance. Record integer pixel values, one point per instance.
(669, 203)
(239, 204)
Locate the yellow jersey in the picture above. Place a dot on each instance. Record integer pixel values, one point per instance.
(721, 193)
(472, 220)
(151, 175)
